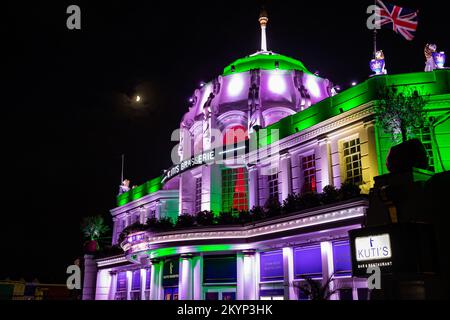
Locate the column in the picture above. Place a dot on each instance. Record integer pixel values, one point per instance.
(112, 291)
(323, 164)
(337, 170)
(197, 277)
(129, 281)
(142, 216)
(326, 248)
(240, 276)
(90, 277)
(288, 272)
(143, 280)
(249, 275)
(155, 279)
(185, 287)
(286, 176)
(114, 233)
(372, 154)
(104, 284)
(253, 187)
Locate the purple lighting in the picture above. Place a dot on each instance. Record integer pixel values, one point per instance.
(235, 85)
(277, 84)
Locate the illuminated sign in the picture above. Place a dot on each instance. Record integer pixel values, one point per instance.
(170, 272)
(394, 248)
(203, 158)
(373, 247)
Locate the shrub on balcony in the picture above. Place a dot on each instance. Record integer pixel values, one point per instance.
(185, 220)
(162, 224)
(348, 191)
(204, 218)
(151, 222)
(310, 200)
(244, 217)
(292, 204)
(272, 207)
(225, 218)
(329, 195)
(257, 213)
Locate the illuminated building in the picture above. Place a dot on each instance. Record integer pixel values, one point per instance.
(316, 139)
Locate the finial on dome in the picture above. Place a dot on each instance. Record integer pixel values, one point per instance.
(263, 19)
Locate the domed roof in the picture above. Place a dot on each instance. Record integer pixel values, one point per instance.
(265, 61)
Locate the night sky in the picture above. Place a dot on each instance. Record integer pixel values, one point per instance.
(66, 111)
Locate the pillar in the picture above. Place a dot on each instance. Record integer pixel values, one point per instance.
(240, 276)
(90, 277)
(155, 279)
(129, 281)
(104, 284)
(372, 154)
(288, 273)
(247, 276)
(323, 165)
(253, 186)
(326, 249)
(114, 233)
(112, 291)
(143, 279)
(185, 286)
(286, 176)
(197, 277)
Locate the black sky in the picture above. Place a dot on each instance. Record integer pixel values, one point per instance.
(65, 116)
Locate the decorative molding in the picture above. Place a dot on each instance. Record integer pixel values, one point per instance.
(104, 262)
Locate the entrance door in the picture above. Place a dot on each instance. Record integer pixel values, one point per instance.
(171, 293)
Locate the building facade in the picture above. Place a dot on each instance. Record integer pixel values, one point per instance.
(265, 129)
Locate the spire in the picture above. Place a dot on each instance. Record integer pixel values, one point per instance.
(263, 19)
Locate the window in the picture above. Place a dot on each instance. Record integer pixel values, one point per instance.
(342, 258)
(219, 269)
(424, 135)
(271, 294)
(121, 286)
(220, 294)
(352, 161)
(136, 285)
(309, 173)
(273, 186)
(271, 266)
(198, 194)
(307, 262)
(171, 293)
(234, 189)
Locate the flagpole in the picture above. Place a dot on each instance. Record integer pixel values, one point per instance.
(375, 34)
(123, 160)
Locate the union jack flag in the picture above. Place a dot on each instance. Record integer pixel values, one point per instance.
(401, 20)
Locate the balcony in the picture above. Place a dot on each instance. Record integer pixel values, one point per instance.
(341, 216)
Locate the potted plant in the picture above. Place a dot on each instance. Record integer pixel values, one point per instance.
(93, 229)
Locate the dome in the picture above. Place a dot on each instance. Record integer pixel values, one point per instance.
(264, 61)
